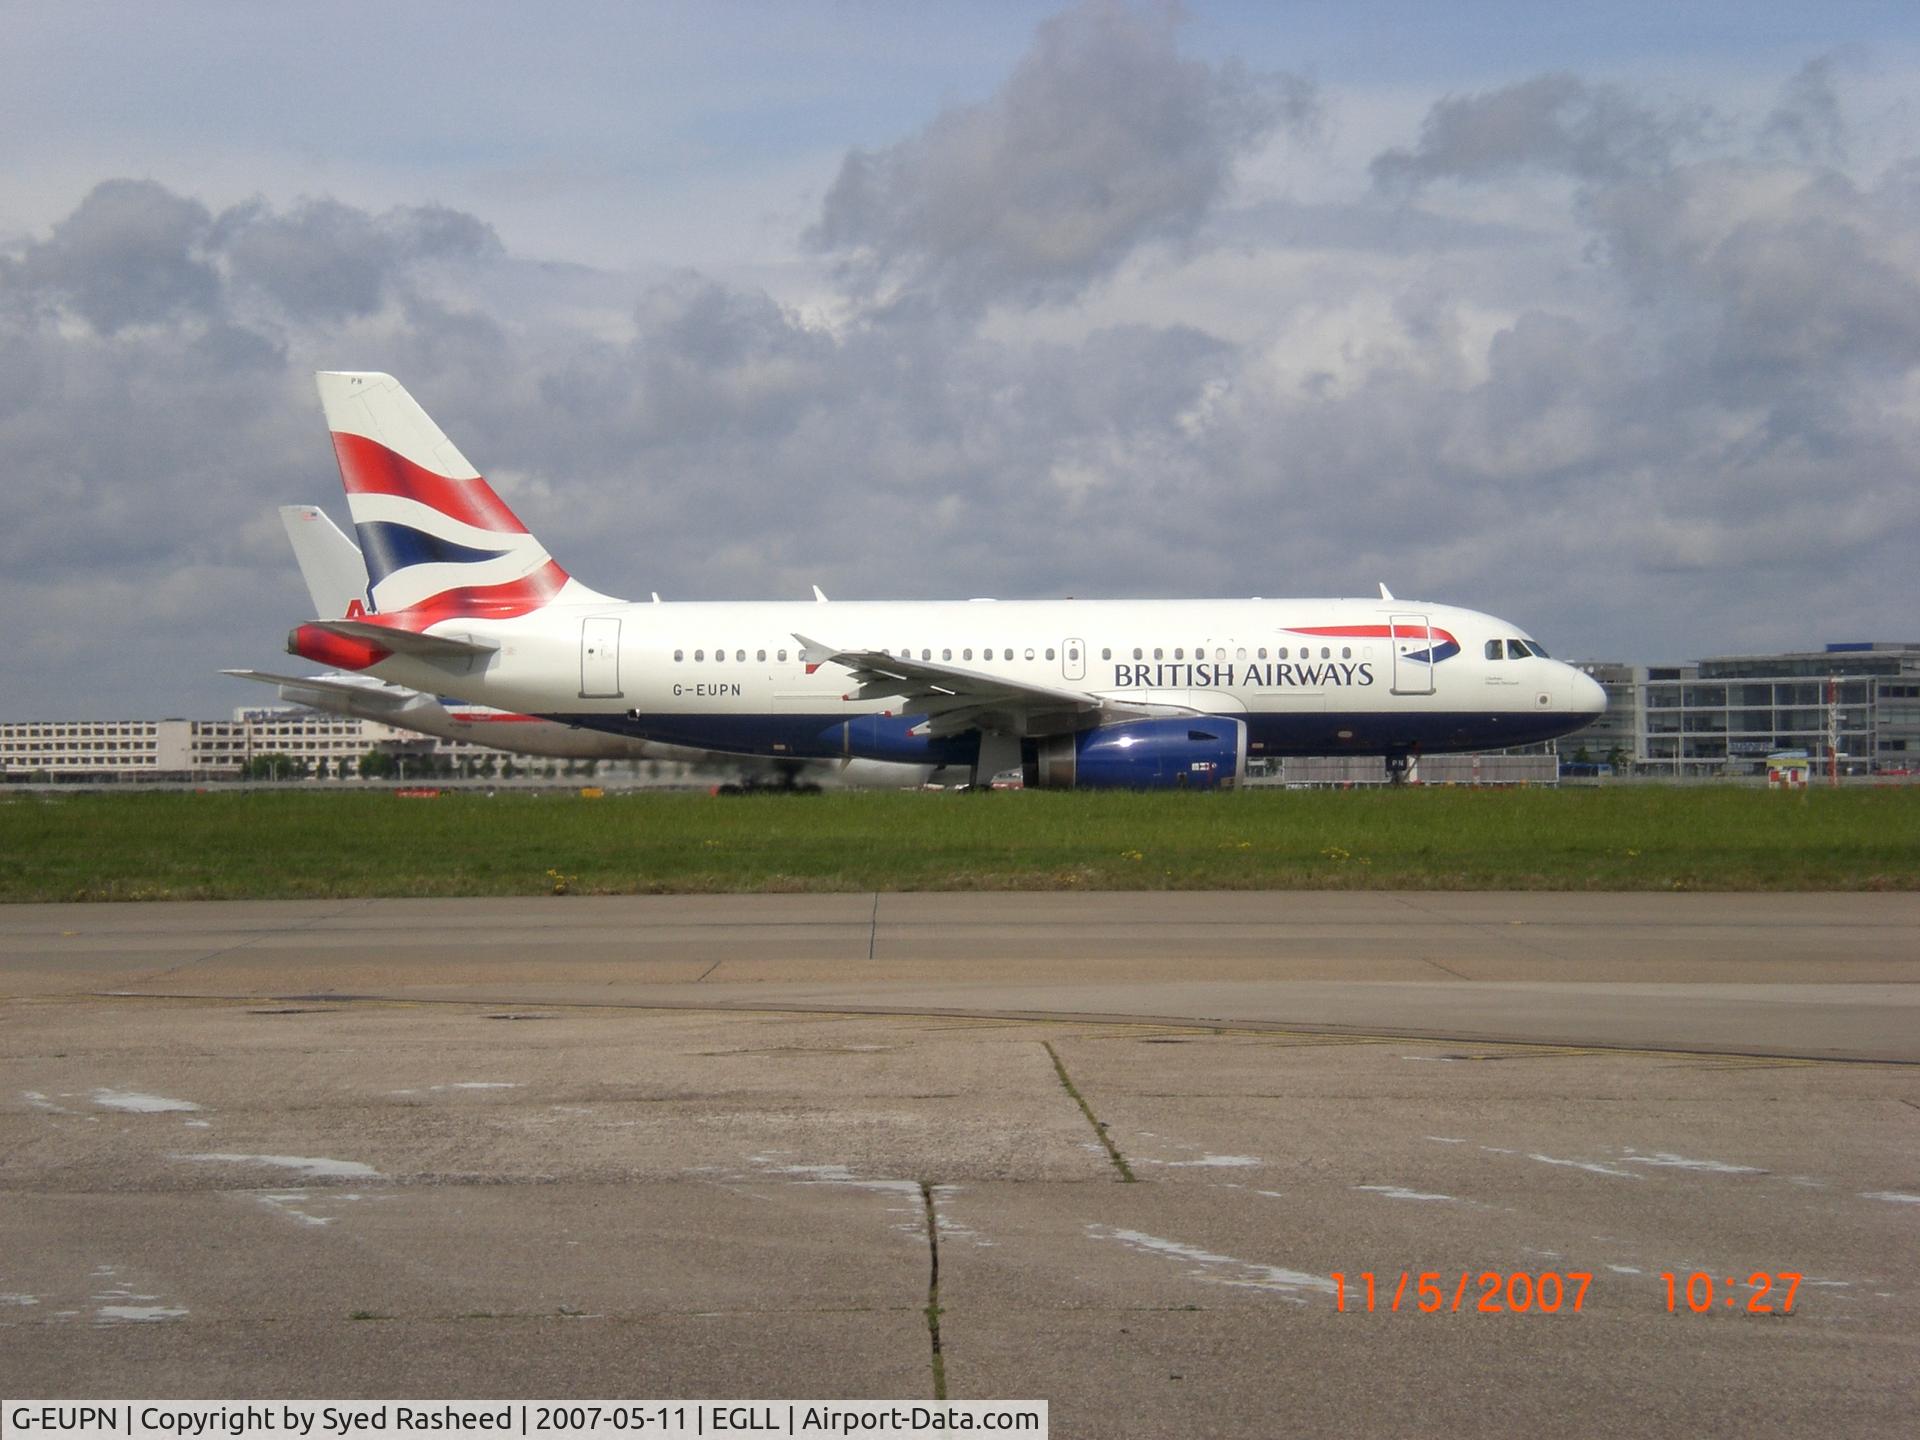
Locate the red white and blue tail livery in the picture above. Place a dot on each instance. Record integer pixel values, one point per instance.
(462, 600)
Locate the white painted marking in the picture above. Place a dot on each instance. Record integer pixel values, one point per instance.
(1625, 1270)
(1590, 1165)
(841, 1175)
(19, 1299)
(1400, 1192)
(1445, 1140)
(1896, 1197)
(1680, 1162)
(1222, 1161)
(108, 1314)
(41, 1102)
(288, 1202)
(314, 1168)
(1221, 1269)
(133, 1102)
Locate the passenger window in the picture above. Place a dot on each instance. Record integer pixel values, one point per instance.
(1136, 653)
(1158, 653)
(741, 656)
(925, 654)
(1179, 653)
(781, 654)
(1241, 653)
(1261, 652)
(1076, 654)
(1030, 654)
(946, 654)
(1346, 652)
(1326, 652)
(1281, 653)
(678, 656)
(760, 655)
(966, 654)
(699, 655)
(1495, 650)
(1220, 654)
(1008, 655)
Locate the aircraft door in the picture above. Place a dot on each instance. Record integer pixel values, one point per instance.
(1073, 659)
(599, 658)
(1412, 654)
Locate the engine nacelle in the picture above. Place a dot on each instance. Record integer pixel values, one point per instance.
(1198, 752)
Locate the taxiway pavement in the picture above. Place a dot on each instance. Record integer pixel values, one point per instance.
(713, 1147)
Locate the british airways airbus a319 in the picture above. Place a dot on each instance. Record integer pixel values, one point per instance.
(462, 600)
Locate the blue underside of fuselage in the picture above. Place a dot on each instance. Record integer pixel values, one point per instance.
(889, 737)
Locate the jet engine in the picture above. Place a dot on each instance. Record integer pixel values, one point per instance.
(1198, 752)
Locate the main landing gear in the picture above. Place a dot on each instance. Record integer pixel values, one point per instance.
(1403, 767)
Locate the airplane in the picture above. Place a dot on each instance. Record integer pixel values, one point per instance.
(336, 577)
(461, 599)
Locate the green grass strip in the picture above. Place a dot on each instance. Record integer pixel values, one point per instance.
(335, 844)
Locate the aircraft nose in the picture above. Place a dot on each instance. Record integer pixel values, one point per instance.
(1589, 696)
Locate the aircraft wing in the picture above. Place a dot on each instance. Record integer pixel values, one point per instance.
(956, 700)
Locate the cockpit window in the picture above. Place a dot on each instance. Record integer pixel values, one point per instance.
(1496, 650)
(1538, 649)
(1517, 650)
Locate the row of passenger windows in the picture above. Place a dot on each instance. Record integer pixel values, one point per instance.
(1515, 649)
(988, 652)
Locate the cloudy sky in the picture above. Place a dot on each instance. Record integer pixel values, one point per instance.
(1608, 323)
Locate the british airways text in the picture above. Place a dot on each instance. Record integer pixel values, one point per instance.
(1273, 676)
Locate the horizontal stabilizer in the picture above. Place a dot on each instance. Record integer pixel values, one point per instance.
(406, 642)
(368, 692)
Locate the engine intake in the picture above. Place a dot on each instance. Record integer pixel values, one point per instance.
(1199, 752)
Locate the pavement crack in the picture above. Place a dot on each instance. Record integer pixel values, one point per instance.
(1099, 1128)
(933, 1292)
(307, 924)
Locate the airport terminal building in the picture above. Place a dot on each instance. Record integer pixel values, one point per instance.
(1855, 705)
(315, 743)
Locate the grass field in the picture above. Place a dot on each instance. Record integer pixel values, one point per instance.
(292, 844)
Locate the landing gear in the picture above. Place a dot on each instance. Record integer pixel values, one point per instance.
(783, 778)
(997, 754)
(1403, 767)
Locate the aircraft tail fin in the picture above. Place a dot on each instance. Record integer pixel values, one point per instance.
(329, 562)
(437, 542)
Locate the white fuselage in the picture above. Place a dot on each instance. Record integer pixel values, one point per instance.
(1309, 676)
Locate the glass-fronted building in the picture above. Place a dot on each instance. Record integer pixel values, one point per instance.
(1855, 706)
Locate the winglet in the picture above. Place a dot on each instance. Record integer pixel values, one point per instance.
(813, 652)
(1385, 594)
(819, 595)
